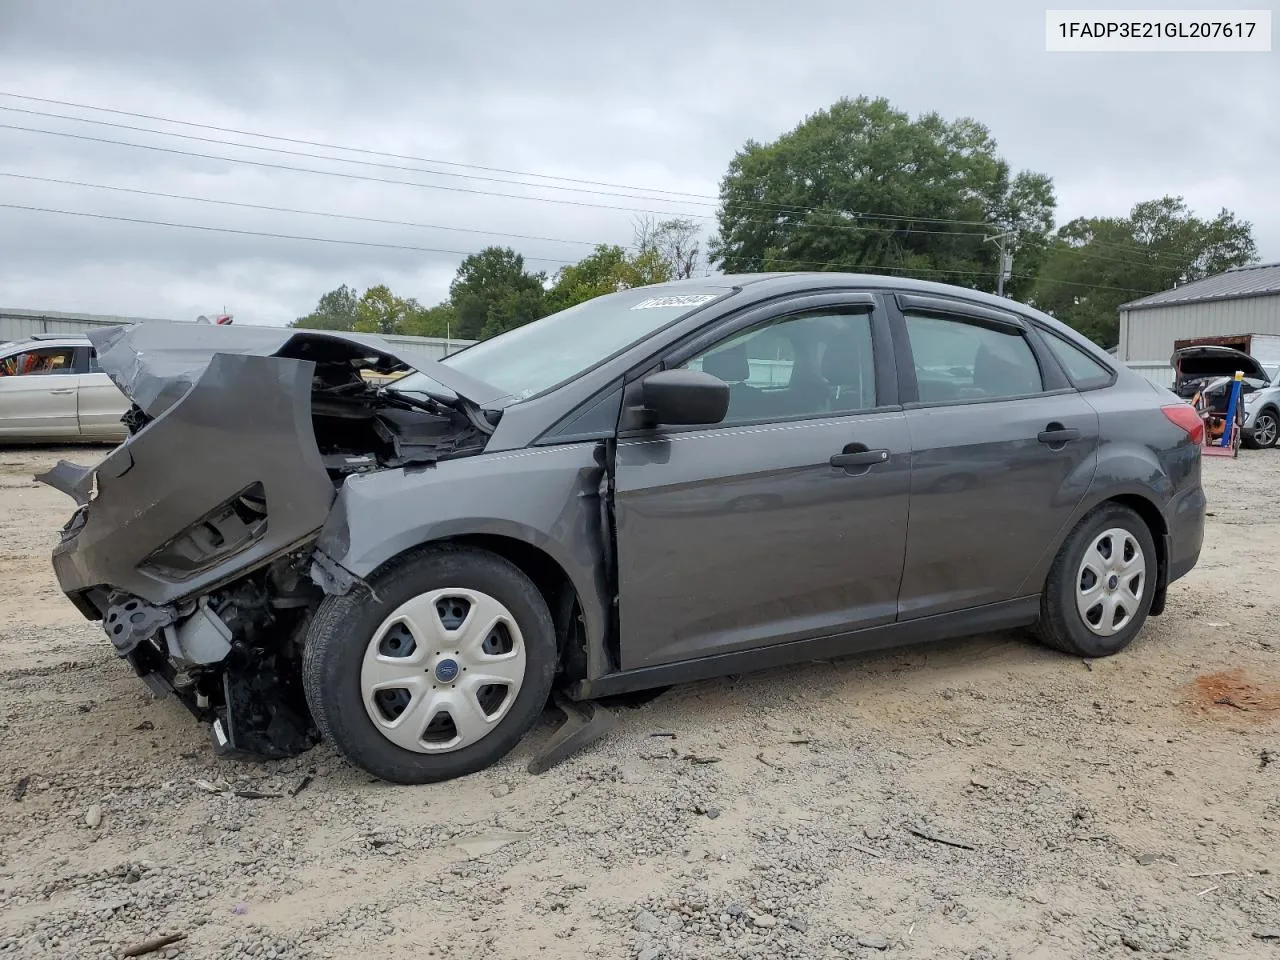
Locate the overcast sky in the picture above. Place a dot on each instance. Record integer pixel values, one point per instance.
(658, 96)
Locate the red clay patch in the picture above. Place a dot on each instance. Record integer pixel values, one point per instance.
(1233, 692)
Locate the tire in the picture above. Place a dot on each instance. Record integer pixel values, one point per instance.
(396, 733)
(1266, 430)
(1111, 529)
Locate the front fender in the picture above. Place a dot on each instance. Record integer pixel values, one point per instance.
(547, 497)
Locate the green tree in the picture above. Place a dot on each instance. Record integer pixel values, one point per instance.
(861, 186)
(335, 311)
(1097, 263)
(438, 321)
(492, 292)
(381, 311)
(607, 269)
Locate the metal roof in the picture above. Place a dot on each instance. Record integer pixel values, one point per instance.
(1255, 280)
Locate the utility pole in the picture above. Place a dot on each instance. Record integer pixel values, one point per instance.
(1004, 268)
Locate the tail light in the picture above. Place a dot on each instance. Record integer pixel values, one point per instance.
(1185, 416)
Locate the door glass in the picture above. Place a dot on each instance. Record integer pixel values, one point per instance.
(93, 361)
(811, 365)
(1084, 371)
(958, 361)
(49, 360)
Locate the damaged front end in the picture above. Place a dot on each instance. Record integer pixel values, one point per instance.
(193, 541)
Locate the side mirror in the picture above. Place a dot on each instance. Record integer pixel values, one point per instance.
(684, 398)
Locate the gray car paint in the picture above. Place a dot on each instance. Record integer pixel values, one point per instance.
(541, 484)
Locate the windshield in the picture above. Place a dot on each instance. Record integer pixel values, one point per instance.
(539, 355)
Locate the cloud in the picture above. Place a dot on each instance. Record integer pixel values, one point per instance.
(659, 96)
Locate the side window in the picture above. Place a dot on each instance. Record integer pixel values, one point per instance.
(35, 362)
(1085, 372)
(810, 365)
(957, 361)
(93, 361)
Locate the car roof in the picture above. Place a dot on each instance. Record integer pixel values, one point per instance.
(46, 340)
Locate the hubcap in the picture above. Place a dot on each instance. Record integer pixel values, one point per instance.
(1110, 582)
(1264, 430)
(442, 671)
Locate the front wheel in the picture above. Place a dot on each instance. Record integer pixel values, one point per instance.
(439, 673)
(1266, 430)
(1101, 585)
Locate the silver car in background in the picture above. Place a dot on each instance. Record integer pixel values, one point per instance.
(51, 390)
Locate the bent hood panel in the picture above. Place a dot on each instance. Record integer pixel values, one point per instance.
(156, 364)
(245, 424)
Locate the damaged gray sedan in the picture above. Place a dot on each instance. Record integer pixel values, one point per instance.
(664, 484)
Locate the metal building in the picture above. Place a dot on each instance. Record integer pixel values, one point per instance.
(23, 324)
(1241, 300)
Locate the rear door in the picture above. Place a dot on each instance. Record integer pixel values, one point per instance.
(1003, 449)
(788, 519)
(101, 404)
(38, 394)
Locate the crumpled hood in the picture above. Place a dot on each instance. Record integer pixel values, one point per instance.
(156, 364)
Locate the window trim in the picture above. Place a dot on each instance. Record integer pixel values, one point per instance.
(1052, 378)
(852, 301)
(1112, 374)
(70, 370)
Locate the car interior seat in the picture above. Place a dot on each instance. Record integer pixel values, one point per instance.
(731, 366)
(997, 377)
(844, 369)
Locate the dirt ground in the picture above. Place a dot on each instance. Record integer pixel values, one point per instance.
(1108, 809)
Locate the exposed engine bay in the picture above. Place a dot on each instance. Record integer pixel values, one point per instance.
(193, 541)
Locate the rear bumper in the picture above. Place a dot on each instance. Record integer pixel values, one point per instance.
(1186, 515)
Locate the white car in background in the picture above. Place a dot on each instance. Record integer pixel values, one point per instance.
(51, 391)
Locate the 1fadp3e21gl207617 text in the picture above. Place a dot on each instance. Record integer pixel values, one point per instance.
(1156, 30)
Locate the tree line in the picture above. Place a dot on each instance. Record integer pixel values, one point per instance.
(859, 187)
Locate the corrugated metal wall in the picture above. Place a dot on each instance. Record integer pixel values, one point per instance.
(1159, 373)
(1149, 334)
(21, 324)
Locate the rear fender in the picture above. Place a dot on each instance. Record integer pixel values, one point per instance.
(1123, 470)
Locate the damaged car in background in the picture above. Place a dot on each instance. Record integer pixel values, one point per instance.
(664, 484)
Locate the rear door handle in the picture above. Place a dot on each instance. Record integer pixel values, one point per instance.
(1060, 435)
(860, 458)
(63, 391)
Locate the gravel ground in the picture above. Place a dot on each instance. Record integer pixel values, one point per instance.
(981, 799)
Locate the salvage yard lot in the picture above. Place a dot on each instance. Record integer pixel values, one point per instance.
(981, 799)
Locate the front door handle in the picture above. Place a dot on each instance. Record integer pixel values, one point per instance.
(62, 391)
(859, 458)
(1056, 435)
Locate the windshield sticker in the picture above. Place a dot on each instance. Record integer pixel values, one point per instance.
(688, 300)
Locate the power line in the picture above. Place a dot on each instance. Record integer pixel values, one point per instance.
(364, 163)
(273, 209)
(786, 208)
(461, 253)
(254, 233)
(450, 163)
(436, 186)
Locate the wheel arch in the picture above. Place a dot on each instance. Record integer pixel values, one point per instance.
(544, 570)
(1140, 502)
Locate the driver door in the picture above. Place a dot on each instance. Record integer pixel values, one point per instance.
(787, 520)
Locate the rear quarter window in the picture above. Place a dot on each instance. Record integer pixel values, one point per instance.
(1084, 371)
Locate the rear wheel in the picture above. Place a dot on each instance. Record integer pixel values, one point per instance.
(1266, 429)
(1100, 588)
(439, 673)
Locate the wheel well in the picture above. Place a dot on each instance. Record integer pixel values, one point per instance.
(1154, 520)
(550, 579)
